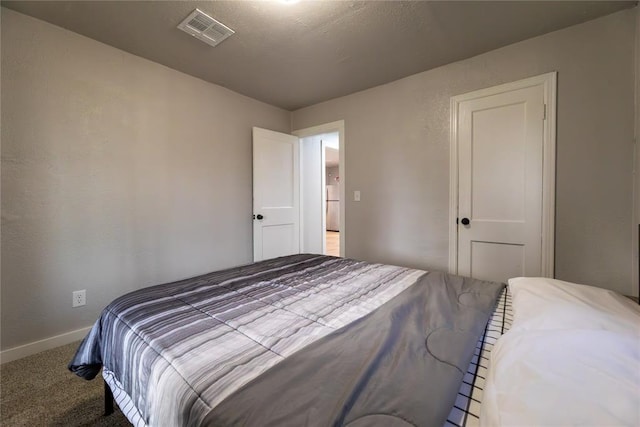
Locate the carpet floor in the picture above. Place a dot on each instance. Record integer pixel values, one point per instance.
(39, 390)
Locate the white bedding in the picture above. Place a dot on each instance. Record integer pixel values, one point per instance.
(541, 303)
(572, 357)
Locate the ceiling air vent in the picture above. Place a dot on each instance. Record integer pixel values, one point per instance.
(203, 27)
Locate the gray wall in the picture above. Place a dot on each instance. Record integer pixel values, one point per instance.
(403, 129)
(117, 173)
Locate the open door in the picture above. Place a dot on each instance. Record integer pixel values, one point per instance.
(276, 194)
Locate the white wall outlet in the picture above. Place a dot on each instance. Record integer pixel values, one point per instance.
(356, 196)
(79, 298)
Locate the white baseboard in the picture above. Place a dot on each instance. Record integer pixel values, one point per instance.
(19, 352)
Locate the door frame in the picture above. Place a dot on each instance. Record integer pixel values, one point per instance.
(337, 126)
(549, 83)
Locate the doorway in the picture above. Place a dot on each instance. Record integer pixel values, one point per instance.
(503, 180)
(331, 145)
(322, 187)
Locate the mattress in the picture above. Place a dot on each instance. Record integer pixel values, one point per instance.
(466, 411)
(347, 341)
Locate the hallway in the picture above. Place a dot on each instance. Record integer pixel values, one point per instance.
(333, 243)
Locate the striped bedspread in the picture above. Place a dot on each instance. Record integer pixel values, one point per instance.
(173, 352)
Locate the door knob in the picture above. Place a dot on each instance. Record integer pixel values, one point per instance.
(465, 221)
(259, 216)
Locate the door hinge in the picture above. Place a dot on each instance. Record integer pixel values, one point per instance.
(544, 114)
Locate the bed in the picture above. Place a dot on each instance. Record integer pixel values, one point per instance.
(298, 340)
(318, 340)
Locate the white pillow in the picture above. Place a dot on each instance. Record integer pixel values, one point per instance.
(563, 378)
(542, 303)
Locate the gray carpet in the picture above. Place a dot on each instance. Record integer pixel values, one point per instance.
(39, 391)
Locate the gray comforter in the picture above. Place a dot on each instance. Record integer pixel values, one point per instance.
(300, 340)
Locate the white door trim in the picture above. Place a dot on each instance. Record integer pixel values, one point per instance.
(549, 82)
(323, 161)
(337, 126)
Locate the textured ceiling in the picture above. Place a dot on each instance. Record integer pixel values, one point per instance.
(295, 55)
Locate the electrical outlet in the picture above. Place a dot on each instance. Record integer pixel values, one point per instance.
(79, 298)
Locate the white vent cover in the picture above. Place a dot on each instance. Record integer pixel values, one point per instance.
(203, 27)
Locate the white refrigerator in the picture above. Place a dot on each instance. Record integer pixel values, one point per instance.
(333, 208)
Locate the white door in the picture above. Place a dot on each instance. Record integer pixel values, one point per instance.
(276, 194)
(500, 143)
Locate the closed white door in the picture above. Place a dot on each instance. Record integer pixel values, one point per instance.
(500, 183)
(276, 194)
